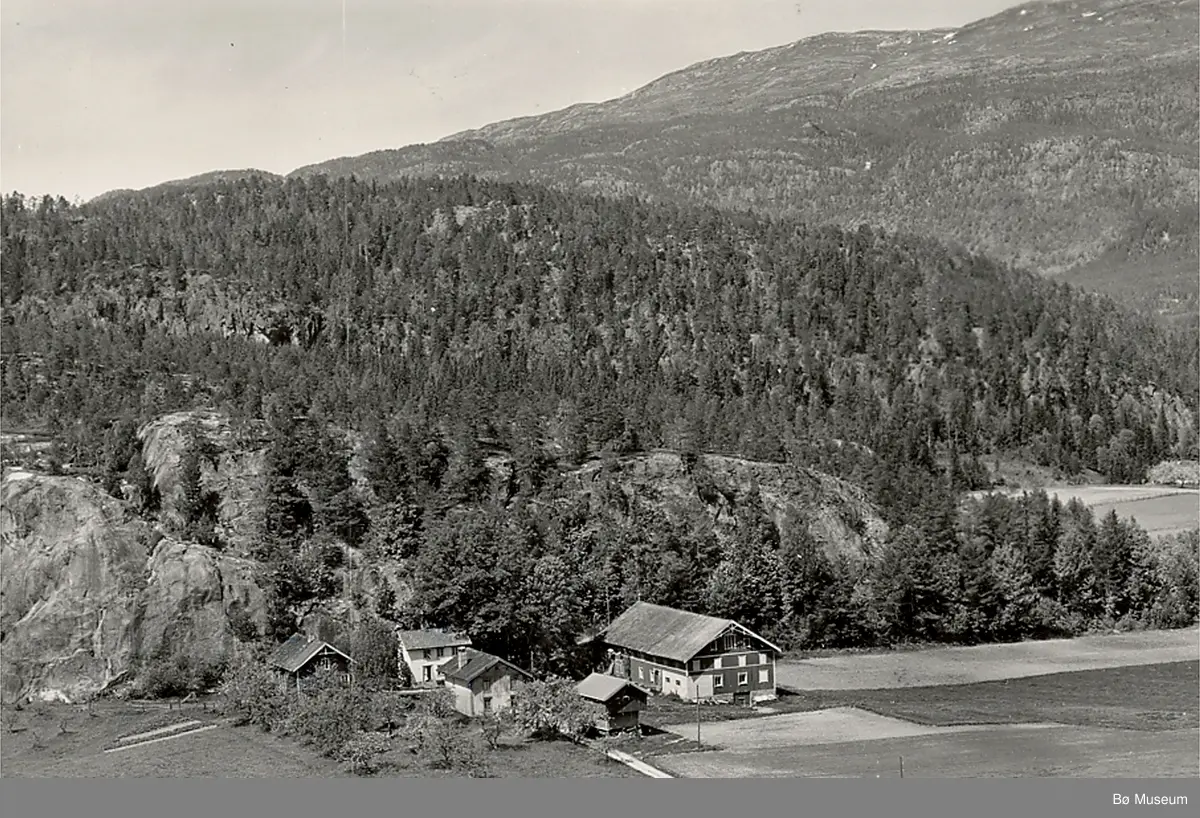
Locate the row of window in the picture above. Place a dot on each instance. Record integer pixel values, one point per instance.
(727, 661)
(764, 676)
(743, 678)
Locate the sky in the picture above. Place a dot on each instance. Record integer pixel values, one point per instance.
(97, 95)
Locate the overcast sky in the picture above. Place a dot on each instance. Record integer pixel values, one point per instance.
(103, 94)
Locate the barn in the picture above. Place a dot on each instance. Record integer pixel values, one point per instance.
(691, 655)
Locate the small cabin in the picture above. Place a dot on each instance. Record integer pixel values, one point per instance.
(301, 657)
(622, 701)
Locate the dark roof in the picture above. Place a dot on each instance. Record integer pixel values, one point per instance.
(475, 664)
(603, 688)
(422, 640)
(298, 651)
(669, 632)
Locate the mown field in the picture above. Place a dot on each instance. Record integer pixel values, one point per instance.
(982, 663)
(1135, 721)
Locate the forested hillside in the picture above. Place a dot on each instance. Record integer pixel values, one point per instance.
(525, 315)
(502, 361)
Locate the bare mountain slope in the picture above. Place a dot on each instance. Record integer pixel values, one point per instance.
(1052, 135)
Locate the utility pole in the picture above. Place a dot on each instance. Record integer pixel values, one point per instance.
(698, 744)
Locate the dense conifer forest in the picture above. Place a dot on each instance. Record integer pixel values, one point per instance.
(440, 322)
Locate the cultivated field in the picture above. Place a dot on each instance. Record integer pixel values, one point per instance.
(1124, 705)
(942, 666)
(985, 752)
(1159, 510)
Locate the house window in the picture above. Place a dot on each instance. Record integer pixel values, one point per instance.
(440, 655)
(487, 704)
(641, 673)
(695, 664)
(743, 679)
(742, 660)
(764, 676)
(718, 681)
(762, 659)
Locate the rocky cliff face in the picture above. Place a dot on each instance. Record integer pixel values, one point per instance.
(836, 514)
(87, 590)
(234, 474)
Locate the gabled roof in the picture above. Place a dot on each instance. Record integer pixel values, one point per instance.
(600, 687)
(298, 651)
(475, 664)
(425, 639)
(657, 630)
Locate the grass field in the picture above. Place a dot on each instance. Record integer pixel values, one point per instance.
(1158, 509)
(1058, 752)
(981, 663)
(1136, 721)
(40, 749)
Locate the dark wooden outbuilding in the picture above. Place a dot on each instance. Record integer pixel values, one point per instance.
(301, 656)
(622, 701)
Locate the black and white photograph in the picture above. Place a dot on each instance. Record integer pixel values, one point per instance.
(601, 389)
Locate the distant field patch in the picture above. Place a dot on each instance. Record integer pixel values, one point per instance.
(1158, 509)
(981, 663)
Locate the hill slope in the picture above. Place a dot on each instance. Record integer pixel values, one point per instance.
(1059, 136)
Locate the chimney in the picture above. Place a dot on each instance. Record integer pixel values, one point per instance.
(461, 653)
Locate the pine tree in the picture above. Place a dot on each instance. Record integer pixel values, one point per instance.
(1016, 596)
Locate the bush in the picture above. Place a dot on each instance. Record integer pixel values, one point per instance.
(494, 727)
(177, 674)
(363, 752)
(550, 709)
(241, 624)
(328, 714)
(252, 694)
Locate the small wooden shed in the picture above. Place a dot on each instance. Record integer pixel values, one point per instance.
(621, 699)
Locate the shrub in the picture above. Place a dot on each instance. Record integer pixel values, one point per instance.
(363, 752)
(177, 674)
(252, 694)
(328, 714)
(494, 727)
(550, 709)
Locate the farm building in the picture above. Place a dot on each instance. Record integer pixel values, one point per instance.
(691, 655)
(622, 701)
(302, 656)
(424, 651)
(482, 683)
